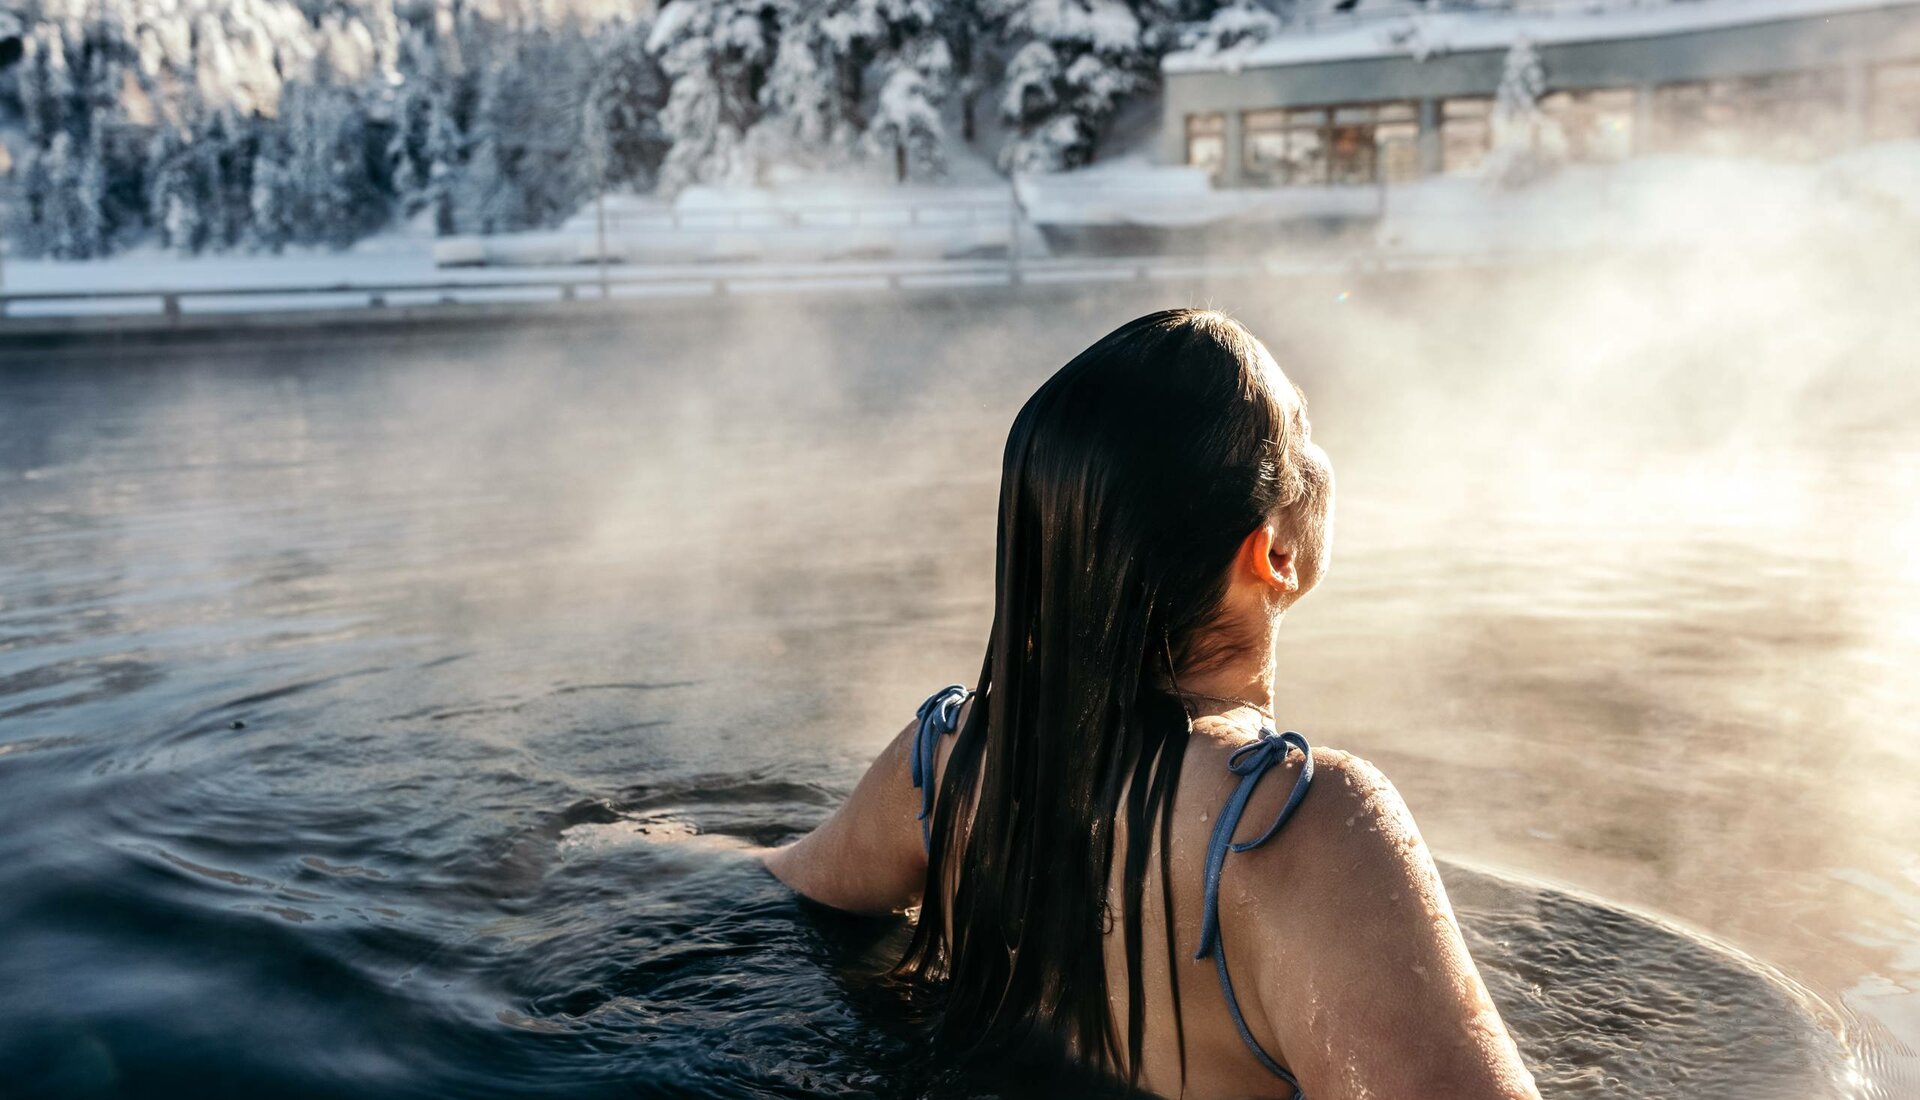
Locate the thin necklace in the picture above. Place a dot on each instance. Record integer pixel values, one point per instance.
(1265, 712)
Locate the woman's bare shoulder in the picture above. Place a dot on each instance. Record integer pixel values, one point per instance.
(1371, 980)
(1351, 837)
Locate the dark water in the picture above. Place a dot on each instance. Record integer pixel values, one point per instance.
(387, 720)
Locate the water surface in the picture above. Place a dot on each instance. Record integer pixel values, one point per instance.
(384, 718)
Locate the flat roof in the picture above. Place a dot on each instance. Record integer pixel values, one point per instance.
(1423, 34)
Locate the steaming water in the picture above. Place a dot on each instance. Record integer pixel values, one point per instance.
(386, 720)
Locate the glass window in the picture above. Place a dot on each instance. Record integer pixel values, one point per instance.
(1265, 135)
(1798, 114)
(1286, 146)
(1466, 133)
(1679, 116)
(1207, 142)
(1349, 144)
(1350, 153)
(1594, 125)
(1399, 150)
(1306, 155)
(1893, 101)
(1788, 114)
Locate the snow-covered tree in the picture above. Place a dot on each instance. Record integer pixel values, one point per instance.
(272, 195)
(1238, 23)
(268, 123)
(620, 124)
(176, 195)
(717, 53)
(812, 101)
(406, 150)
(907, 122)
(445, 154)
(224, 151)
(525, 164)
(1520, 152)
(47, 89)
(1074, 63)
(86, 223)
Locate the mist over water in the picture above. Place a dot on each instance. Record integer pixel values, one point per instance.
(382, 718)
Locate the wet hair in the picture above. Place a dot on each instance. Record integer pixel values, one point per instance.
(1130, 480)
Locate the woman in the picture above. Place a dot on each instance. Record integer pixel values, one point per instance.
(1109, 817)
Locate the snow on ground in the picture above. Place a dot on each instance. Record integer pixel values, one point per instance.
(1422, 33)
(1133, 191)
(1647, 203)
(794, 215)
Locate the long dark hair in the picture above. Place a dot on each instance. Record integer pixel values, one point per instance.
(1129, 481)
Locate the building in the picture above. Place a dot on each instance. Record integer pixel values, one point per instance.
(1397, 96)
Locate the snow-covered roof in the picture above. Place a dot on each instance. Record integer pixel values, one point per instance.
(1423, 34)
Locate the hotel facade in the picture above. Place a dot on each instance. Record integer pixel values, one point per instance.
(1386, 98)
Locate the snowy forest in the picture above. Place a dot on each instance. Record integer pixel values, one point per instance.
(208, 125)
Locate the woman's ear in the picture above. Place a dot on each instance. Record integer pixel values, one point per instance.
(1271, 560)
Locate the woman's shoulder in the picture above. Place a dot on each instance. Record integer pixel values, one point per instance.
(1343, 784)
(1351, 834)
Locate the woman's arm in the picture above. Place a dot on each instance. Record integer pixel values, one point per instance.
(1360, 964)
(867, 857)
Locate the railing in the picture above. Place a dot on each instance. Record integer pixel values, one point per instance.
(174, 305)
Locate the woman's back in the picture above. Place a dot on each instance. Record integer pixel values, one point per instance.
(1345, 869)
(1161, 507)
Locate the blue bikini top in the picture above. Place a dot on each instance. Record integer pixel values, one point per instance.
(940, 716)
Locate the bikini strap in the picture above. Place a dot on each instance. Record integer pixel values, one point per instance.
(1250, 762)
(938, 716)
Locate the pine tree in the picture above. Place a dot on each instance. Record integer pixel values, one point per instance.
(176, 199)
(907, 123)
(46, 86)
(1518, 156)
(223, 155)
(336, 198)
(406, 150)
(620, 127)
(1239, 23)
(271, 199)
(1076, 61)
(86, 218)
(27, 213)
(717, 53)
(445, 153)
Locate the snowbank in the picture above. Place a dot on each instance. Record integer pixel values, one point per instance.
(1659, 202)
(1131, 191)
(795, 217)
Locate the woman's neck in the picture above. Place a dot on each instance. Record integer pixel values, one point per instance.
(1243, 675)
(1251, 685)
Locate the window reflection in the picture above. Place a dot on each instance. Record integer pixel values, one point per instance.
(1466, 133)
(1793, 115)
(1594, 126)
(1893, 101)
(1207, 142)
